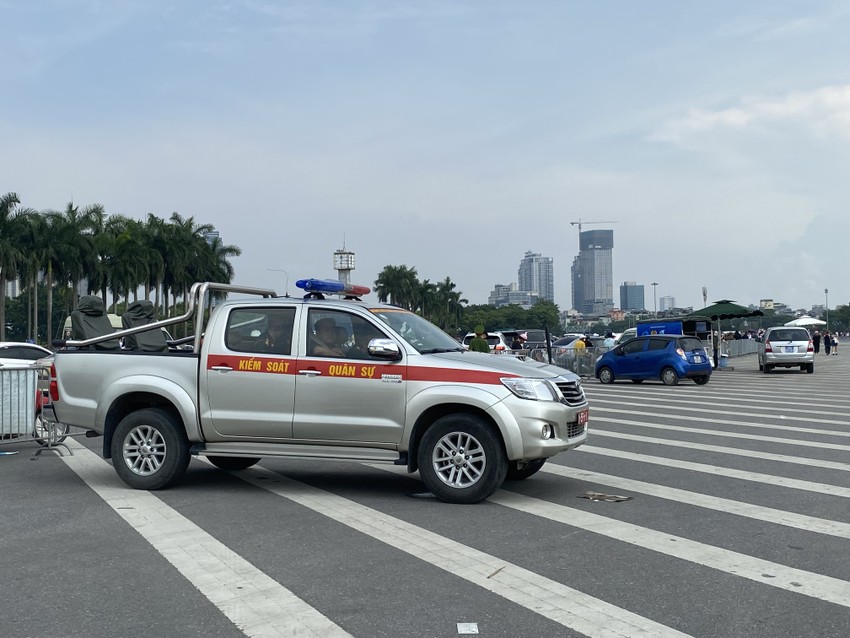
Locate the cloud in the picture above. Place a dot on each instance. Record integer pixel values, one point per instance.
(824, 112)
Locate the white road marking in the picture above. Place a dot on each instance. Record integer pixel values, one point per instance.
(564, 605)
(765, 572)
(258, 605)
(757, 512)
(712, 416)
(728, 435)
(799, 581)
(797, 460)
(771, 409)
(781, 481)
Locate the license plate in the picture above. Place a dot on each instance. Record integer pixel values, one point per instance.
(697, 358)
(583, 416)
(790, 348)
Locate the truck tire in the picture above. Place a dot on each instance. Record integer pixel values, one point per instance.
(150, 449)
(461, 459)
(529, 469)
(233, 463)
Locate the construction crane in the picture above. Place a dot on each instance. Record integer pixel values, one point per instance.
(580, 222)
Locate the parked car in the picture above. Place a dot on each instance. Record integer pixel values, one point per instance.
(628, 333)
(13, 352)
(664, 357)
(498, 341)
(786, 347)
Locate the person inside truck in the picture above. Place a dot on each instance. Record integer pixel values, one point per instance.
(323, 342)
(279, 334)
(363, 334)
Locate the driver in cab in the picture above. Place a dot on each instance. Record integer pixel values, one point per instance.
(323, 342)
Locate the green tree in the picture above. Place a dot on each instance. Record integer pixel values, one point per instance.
(11, 229)
(398, 285)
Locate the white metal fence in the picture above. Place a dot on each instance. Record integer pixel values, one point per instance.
(23, 398)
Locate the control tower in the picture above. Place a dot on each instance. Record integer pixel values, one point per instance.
(344, 264)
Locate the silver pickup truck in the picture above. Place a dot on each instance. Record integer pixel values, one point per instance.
(318, 377)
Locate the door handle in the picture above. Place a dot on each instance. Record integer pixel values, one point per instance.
(221, 368)
(311, 372)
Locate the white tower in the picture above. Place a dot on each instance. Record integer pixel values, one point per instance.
(344, 264)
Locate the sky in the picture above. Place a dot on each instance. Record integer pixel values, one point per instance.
(452, 136)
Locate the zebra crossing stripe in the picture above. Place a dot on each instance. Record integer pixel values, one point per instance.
(258, 605)
(757, 512)
(799, 581)
(714, 414)
(768, 456)
(569, 607)
(756, 477)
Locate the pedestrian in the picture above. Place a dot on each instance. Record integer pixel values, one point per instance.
(816, 341)
(519, 341)
(609, 340)
(479, 341)
(827, 341)
(835, 343)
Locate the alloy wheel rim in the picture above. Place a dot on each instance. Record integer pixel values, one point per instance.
(459, 460)
(144, 450)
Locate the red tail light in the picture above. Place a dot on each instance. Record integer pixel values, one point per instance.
(768, 347)
(54, 387)
(811, 347)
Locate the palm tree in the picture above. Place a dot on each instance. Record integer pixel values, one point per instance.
(35, 244)
(183, 251)
(449, 305)
(11, 220)
(398, 284)
(426, 299)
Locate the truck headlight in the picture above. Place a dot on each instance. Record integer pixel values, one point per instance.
(534, 389)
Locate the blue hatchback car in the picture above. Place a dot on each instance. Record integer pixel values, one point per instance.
(667, 358)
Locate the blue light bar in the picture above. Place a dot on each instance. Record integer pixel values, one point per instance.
(331, 286)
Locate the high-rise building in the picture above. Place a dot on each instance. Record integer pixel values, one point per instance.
(631, 296)
(593, 273)
(666, 303)
(507, 294)
(535, 275)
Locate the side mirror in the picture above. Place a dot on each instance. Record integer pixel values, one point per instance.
(384, 349)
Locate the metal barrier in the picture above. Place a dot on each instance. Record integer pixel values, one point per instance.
(581, 361)
(24, 403)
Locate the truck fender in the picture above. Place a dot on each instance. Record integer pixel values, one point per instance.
(435, 401)
(152, 391)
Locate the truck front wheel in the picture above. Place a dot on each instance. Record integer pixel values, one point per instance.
(150, 449)
(461, 460)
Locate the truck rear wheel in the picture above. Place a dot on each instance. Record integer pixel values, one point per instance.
(461, 460)
(150, 449)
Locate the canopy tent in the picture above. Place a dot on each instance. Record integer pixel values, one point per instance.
(806, 321)
(723, 309)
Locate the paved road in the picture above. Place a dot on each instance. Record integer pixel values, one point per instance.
(737, 525)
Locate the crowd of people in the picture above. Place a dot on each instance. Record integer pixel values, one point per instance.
(829, 341)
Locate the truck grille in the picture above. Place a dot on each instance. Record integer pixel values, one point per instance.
(574, 429)
(572, 391)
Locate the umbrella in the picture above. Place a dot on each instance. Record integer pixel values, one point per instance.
(806, 321)
(724, 309)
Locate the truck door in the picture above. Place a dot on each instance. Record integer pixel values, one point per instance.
(249, 371)
(342, 393)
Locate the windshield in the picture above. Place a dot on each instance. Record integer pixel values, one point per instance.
(418, 332)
